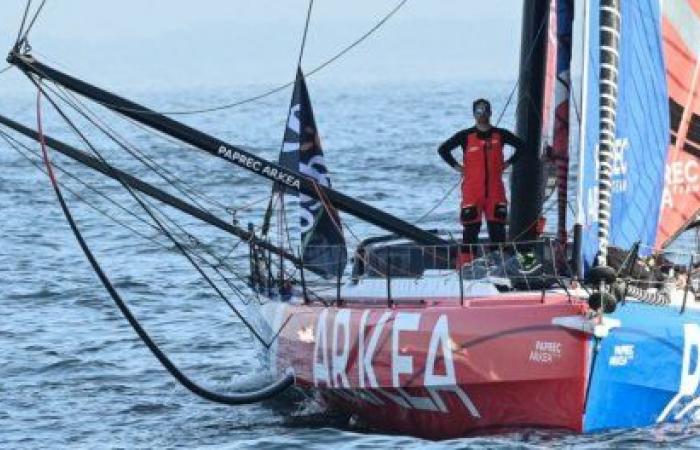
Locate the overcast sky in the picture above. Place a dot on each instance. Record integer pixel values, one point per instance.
(184, 43)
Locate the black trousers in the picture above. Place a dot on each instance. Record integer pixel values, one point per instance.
(470, 236)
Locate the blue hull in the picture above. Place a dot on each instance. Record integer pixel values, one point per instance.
(646, 371)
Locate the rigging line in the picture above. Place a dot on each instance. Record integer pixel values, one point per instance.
(440, 202)
(199, 257)
(125, 145)
(179, 246)
(275, 186)
(269, 391)
(284, 86)
(191, 237)
(31, 24)
(5, 69)
(21, 26)
(306, 31)
(526, 62)
(197, 245)
(15, 146)
(5, 137)
(185, 185)
(229, 209)
(9, 138)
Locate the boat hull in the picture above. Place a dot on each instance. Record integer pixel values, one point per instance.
(646, 371)
(441, 370)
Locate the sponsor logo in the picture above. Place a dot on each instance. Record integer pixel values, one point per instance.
(681, 178)
(332, 360)
(259, 166)
(622, 354)
(686, 400)
(618, 168)
(545, 352)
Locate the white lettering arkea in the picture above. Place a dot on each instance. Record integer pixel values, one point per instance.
(689, 380)
(440, 339)
(321, 372)
(366, 354)
(404, 321)
(340, 358)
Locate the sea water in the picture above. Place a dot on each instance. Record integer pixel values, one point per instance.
(72, 371)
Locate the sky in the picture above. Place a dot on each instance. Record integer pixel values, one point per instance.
(142, 44)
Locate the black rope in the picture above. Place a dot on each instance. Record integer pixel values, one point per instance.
(18, 41)
(164, 173)
(306, 31)
(63, 94)
(196, 244)
(284, 86)
(189, 236)
(275, 191)
(526, 62)
(148, 211)
(268, 391)
(31, 23)
(7, 138)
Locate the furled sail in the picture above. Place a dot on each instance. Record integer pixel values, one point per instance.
(641, 140)
(555, 117)
(560, 142)
(681, 200)
(550, 74)
(322, 243)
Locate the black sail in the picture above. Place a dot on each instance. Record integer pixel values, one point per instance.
(322, 242)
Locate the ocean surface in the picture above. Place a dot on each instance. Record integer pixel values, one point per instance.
(72, 372)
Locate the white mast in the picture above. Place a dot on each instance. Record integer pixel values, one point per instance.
(578, 225)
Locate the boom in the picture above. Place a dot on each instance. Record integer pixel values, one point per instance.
(235, 155)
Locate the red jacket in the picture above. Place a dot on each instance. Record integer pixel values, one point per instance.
(483, 170)
(482, 187)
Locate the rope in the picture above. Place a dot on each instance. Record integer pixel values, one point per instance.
(15, 144)
(21, 25)
(526, 62)
(284, 86)
(164, 173)
(281, 215)
(440, 202)
(306, 31)
(268, 391)
(150, 213)
(31, 23)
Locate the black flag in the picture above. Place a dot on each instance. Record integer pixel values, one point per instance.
(322, 242)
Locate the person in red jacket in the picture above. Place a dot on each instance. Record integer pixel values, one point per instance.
(483, 193)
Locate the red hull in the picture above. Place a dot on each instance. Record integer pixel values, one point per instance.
(442, 370)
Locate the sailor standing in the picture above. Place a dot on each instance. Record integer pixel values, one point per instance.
(483, 192)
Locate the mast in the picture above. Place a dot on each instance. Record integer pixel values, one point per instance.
(609, 62)
(526, 202)
(147, 189)
(233, 154)
(578, 227)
